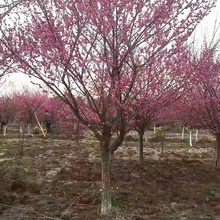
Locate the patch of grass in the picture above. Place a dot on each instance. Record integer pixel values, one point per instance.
(9, 154)
(60, 189)
(81, 176)
(138, 164)
(1, 142)
(138, 189)
(193, 217)
(211, 191)
(81, 147)
(73, 193)
(184, 140)
(173, 162)
(57, 213)
(44, 190)
(161, 195)
(119, 199)
(172, 216)
(160, 133)
(159, 136)
(66, 215)
(120, 213)
(15, 168)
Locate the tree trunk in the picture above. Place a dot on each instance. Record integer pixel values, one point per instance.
(141, 147)
(77, 132)
(183, 132)
(197, 132)
(5, 130)
(126, 142)
(190, 138)
(106, 204)
(29, 129)
(163, 139)
(217, 151)
(22, 145)
(154, 129)
(21, 129)
(145, 136)
(106, 154)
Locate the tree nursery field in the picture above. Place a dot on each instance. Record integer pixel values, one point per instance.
(104, 68)
(56, 178)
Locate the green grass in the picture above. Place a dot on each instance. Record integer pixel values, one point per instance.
(119, 199)
(172, 216)
(211, 191)
(184, 140)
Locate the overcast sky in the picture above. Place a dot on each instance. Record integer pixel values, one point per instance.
(207, 24)
(205, 27)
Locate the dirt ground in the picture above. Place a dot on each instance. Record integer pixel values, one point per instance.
(58, 179)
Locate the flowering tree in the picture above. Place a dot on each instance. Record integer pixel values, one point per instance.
(163, 84)
(182, 113)
(7, 105)
(27, 103)
(204, 98)
(6, 6)
(92, 54)
(63, 119)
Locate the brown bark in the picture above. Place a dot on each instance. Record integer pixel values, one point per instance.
(106, 204)
(77, 132)
(118, 141)
(217, 151)
(107, 151)
(141, 147)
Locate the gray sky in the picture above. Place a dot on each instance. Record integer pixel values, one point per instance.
(207, 24)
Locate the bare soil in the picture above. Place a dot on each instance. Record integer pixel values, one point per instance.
(58, 179)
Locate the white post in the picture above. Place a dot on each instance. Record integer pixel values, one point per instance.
(197, 132)
(21, 130)
(145, 136)
(5, 130)
(183, 132)
(29, 129)
(154, 129)
(190, 138)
